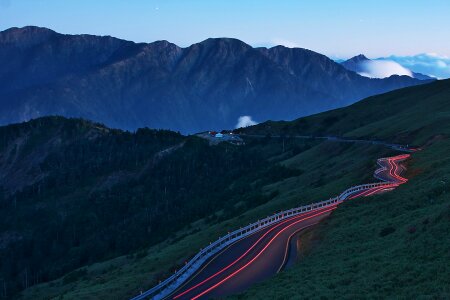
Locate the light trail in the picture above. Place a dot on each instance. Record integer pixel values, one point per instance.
(259, 254)
(389, 172)
(302, 217)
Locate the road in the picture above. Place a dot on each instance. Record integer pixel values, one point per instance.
(264, 253)
(397, 147)
(249, 260)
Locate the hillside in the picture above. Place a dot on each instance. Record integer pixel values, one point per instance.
(75, 192)
(407, 116)
(393, 245)
(390, 245)
(205, 86)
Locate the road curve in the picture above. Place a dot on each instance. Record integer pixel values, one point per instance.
(263, 254)
(248, 260)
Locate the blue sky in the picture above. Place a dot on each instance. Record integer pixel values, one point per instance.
(338, 28)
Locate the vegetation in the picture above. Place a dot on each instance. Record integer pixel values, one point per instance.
(407, 116)
(75, 192)
(391, 245)
(125, 276)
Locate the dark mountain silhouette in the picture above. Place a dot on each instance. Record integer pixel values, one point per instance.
(353, 63)
(160, 85)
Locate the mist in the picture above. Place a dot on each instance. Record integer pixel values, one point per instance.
(245, 121)
(383, 69)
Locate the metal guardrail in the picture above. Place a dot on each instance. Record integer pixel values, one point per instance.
(169, 285)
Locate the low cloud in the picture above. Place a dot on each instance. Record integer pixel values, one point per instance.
(245, 121)
(430, 64)
(383, 69)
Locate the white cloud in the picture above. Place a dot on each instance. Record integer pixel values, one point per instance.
(245, 121)
(430, 64)
(441, 64)
(382, 69)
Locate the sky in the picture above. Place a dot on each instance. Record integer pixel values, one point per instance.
(337, 28)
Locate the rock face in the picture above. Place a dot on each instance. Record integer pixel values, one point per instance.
(208, 85)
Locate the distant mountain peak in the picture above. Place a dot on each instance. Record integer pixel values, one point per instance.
(25, 36)
(358, 58)
(27, 29)
(223, 42)
(205, 86)
(379, 68)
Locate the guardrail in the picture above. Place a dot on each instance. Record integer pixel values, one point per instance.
(169, 285)
(398, 147)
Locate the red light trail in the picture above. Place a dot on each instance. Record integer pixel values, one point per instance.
(389, 172)
(259, 254)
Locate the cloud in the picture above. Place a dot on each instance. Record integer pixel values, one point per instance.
(430, 64)
(245, 121)
(382, 69)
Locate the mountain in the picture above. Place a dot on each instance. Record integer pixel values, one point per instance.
(207, 85)
(350, 254)
(100, 193)
(353, 64)
(410, 115)
(74, 192)
(380, 68)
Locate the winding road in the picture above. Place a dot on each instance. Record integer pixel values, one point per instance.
(265, 252)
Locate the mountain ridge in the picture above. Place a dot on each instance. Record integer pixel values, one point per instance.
(207, 85)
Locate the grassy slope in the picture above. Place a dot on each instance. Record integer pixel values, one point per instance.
(410, 115)
(351, 259)
(348, 256)
(125, 276)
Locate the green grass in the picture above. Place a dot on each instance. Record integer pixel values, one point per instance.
(410, 115)
(394, 245)
(351, 257)
(125, 276)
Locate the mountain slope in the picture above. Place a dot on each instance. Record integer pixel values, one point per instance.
(73, 192)
(208, 85)
(393, 245)
(410, 115)
(388, 246)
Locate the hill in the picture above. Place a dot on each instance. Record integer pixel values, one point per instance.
(410, 115)
(74, 192)
(390, 245)
(205, 86)
(350, 255)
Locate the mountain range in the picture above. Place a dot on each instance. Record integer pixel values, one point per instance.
(87, 212)
(207, 85)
